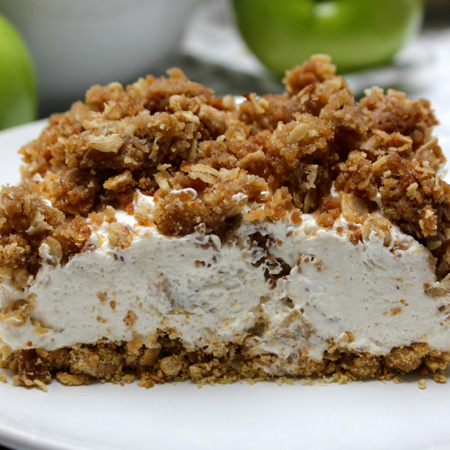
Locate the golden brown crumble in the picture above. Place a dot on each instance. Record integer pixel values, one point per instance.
(130, 318)
(173, 139)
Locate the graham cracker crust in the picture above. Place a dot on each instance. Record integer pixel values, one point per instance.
(167, 360)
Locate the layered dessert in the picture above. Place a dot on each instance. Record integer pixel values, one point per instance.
(162, 233)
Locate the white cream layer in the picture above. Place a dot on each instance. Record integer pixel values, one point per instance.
(204, 291)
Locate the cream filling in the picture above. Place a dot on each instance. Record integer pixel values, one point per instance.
(310, 288)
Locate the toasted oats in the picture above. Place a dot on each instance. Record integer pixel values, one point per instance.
(72, 380)
(298, 133)
(105, 144)
(203, 172)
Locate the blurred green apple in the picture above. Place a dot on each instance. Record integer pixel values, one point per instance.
(18, 92)
(355, 33)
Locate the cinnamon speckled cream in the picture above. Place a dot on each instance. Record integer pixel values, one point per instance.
(303, 285)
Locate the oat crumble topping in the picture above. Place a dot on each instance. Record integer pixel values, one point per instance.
(169, 136)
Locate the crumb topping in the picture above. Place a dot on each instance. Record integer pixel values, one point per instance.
(313, 149)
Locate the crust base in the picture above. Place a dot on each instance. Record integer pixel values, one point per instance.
(168, 360)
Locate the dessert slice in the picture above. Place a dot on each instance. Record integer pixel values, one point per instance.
(162, 233)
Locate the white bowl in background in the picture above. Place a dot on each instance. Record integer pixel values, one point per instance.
(77, 43)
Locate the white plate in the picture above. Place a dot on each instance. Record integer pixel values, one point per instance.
(369, 415)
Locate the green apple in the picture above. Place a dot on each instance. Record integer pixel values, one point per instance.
(18, 93)
(355, 33)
